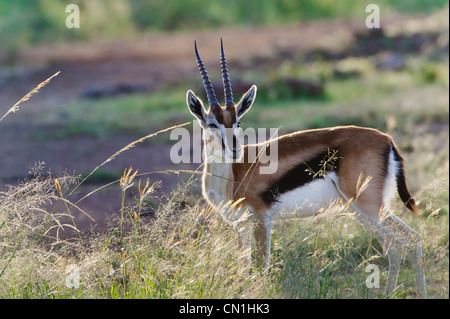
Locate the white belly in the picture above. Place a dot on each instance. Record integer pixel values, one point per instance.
(309, 199)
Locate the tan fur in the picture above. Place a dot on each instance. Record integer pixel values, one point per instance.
(360, 151)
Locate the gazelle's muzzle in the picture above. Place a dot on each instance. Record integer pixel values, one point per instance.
(233, 147)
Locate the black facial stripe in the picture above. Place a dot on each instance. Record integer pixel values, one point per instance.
(234, 142)
(302, 174)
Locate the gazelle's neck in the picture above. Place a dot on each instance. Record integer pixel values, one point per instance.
(217, 181)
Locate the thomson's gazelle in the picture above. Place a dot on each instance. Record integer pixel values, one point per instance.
(315, 168)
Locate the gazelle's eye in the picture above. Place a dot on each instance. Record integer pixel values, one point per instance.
(212, 125)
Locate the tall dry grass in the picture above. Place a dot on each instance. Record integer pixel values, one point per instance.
(27, 96)
(185, 250)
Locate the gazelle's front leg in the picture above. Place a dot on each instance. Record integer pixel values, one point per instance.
(239, 219)
(262, 233)
(245, 244)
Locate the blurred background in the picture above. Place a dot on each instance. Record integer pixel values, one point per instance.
(126, 70)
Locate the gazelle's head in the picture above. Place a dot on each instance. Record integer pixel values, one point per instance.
(220, 124)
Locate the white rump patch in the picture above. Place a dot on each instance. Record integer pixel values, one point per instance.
(390, 185)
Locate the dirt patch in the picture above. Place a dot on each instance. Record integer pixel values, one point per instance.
(80, 155)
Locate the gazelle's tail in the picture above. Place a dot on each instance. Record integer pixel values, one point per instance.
(402, 187)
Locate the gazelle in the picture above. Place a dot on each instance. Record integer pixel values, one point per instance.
(230, 175)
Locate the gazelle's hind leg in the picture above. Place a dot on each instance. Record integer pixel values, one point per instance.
(392, 247)
(393, 250)
(395, 235)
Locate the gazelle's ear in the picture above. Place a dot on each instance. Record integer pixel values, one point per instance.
(195, 105)
(246, 102)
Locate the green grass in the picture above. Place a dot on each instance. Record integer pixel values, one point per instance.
(136, 113)
(22, 22)
(366, 100)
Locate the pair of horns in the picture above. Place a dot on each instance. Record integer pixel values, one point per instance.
(212, 99)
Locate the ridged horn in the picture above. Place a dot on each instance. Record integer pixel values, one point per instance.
(212, 99)
(225, 77)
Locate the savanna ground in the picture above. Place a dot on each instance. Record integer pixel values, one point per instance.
(159, 240)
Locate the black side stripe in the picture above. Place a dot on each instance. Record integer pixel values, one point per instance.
(302, 174)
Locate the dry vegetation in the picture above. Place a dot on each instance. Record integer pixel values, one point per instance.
(186, 251)
(181, 249)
